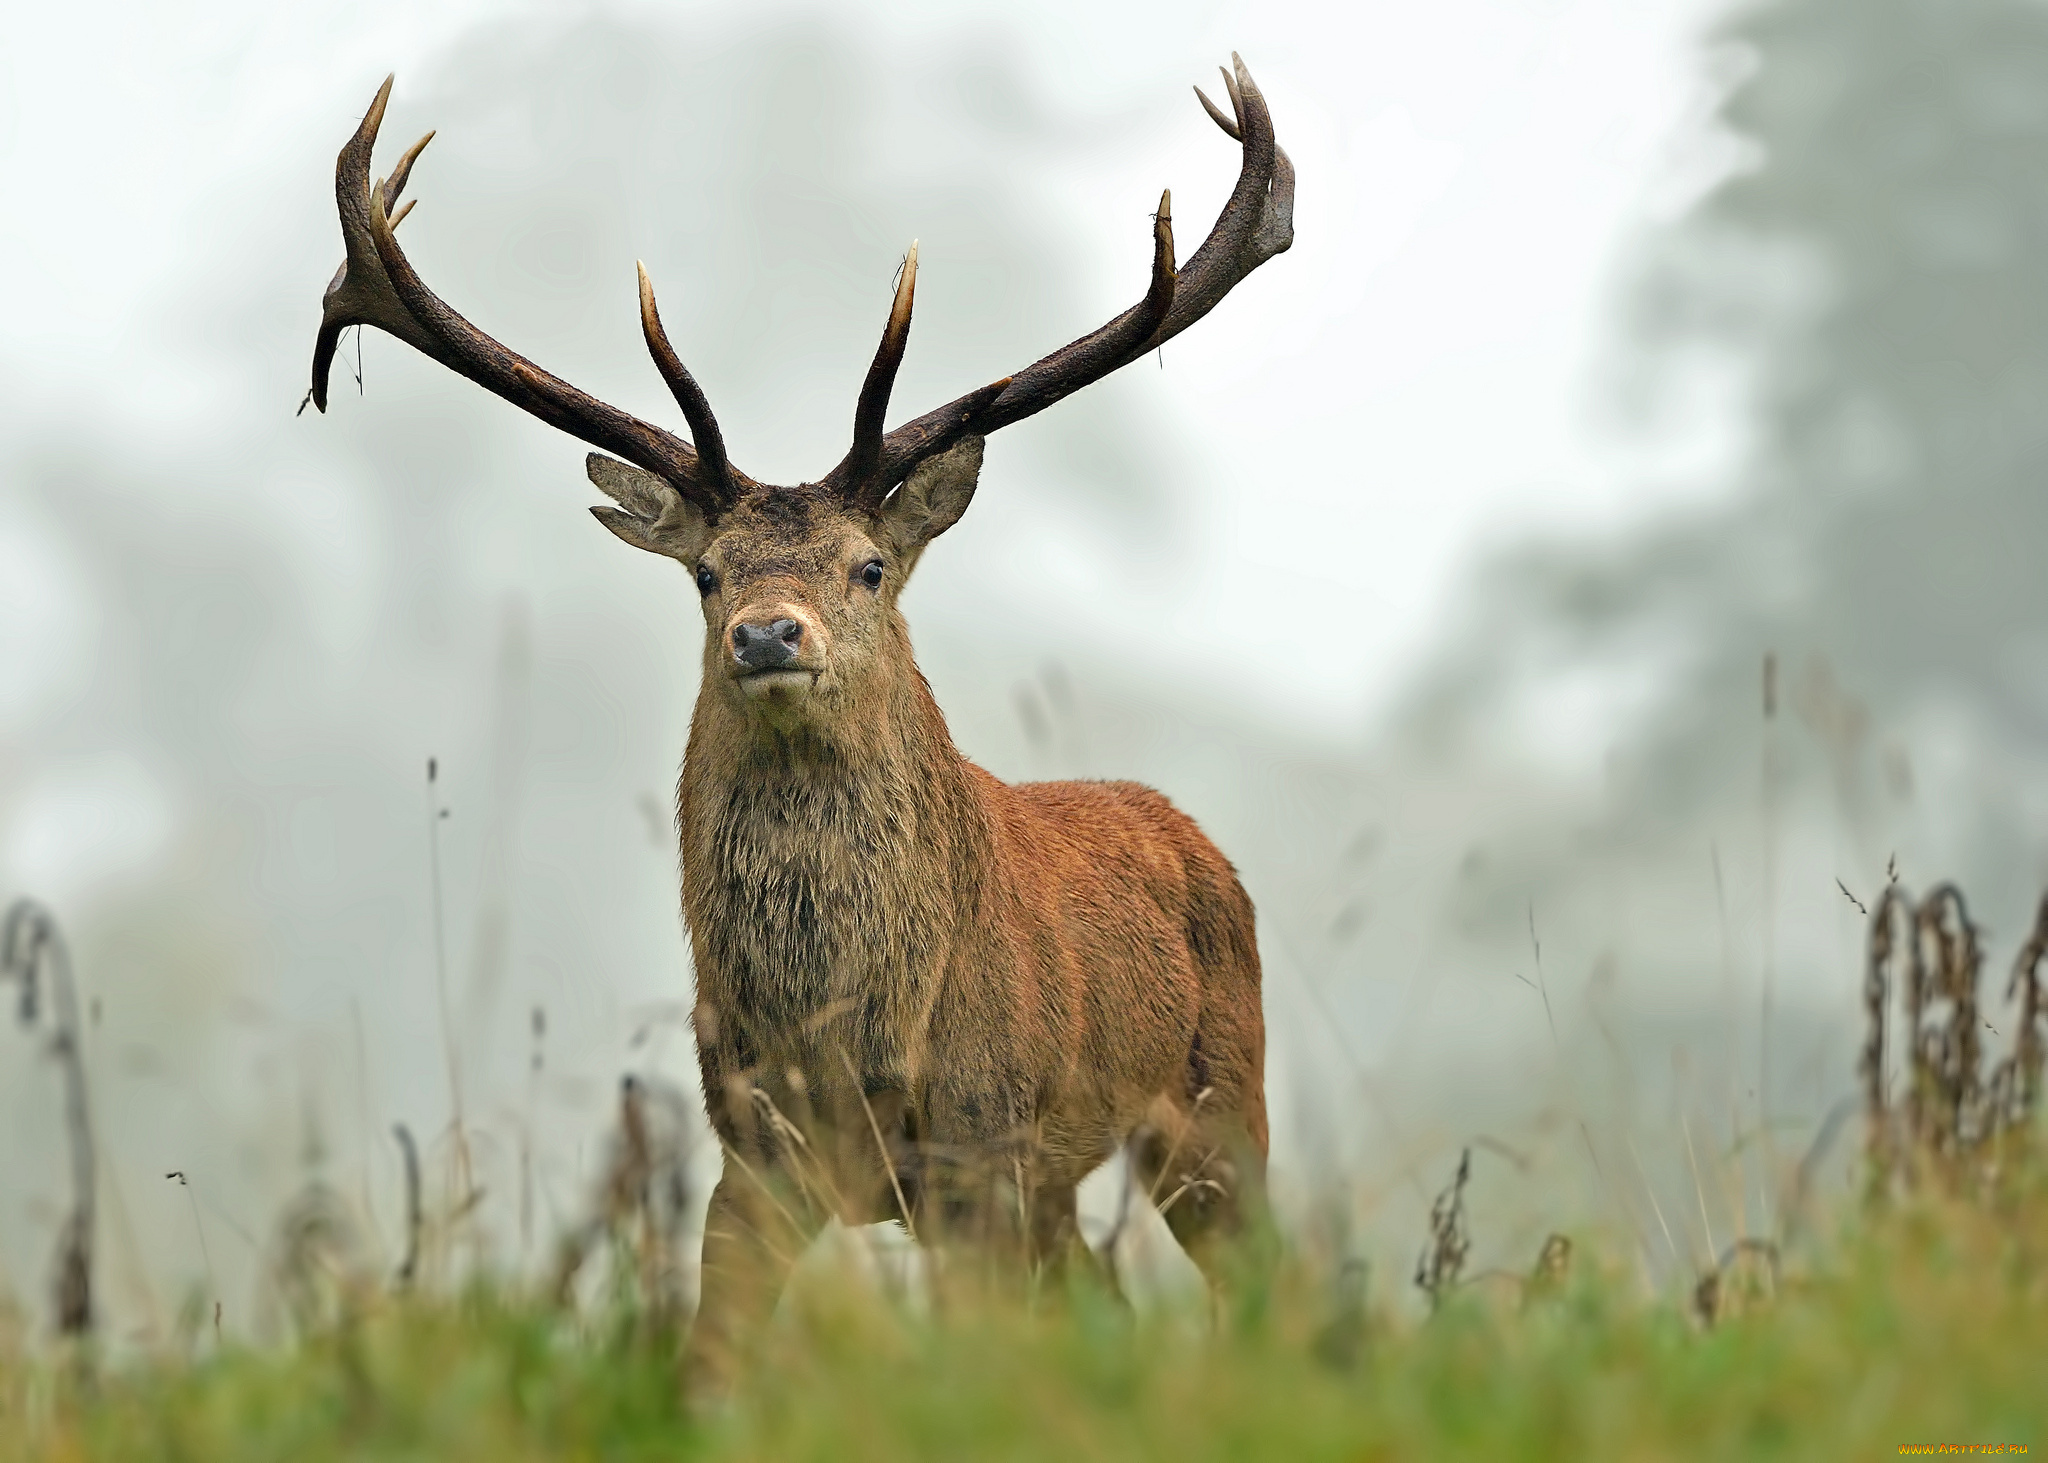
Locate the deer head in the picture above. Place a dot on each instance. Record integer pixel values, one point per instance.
(799, 584)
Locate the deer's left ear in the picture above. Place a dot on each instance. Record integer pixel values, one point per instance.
(932, 499)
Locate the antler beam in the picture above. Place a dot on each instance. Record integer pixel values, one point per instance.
(377, 285)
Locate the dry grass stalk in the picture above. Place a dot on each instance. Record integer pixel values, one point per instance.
(1443, 1258)
(32, 951)
(2014, 1091)
(1891, 905)
(1941, 1012)
(1507, 1293)
(882, 1147)
(1553, 1265)
(317, 1262)
(641, 1200)
(184, 1181)
(1953, 1117)
(408, 1268)
(1745, 1279)
(462, 1168)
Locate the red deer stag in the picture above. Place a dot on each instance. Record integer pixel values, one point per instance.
(922, 993)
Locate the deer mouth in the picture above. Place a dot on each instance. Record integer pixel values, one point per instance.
(776, 681)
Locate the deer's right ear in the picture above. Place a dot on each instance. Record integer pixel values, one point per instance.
(651, 515)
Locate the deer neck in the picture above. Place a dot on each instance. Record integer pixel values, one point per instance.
(824, 862)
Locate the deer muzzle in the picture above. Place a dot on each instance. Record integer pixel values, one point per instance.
(774, 649)
(767, 647)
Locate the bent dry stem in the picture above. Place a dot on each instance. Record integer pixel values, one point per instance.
(33, 953)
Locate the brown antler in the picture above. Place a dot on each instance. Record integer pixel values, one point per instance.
(717, 471)
(874, 392)
(1256, 223)
(376, 285)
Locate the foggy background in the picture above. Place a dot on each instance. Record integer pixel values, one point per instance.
(1622, 347)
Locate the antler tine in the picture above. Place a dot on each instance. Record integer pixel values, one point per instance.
(1216, 114)
(1275, 231)
(868, 413)
(395, 184)
(378, 286)
(1258, 220)
(1230, 85)
(1165, 278)
(1279, 215)
(709, 441)
(1256, 223)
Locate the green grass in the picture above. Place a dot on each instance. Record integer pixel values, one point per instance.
(1926, 1325)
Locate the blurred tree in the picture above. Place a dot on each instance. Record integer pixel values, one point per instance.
(1871, 272)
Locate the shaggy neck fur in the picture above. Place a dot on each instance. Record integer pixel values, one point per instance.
(827, 865)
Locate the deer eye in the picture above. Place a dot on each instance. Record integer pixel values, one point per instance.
(706, 580)
(871, 574)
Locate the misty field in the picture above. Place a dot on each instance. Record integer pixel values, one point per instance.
(1908, 1312)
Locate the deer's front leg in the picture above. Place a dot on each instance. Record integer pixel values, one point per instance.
(752, 1238)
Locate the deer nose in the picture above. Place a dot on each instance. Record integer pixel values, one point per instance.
(764, 647)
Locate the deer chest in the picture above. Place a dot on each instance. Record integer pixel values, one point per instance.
(812, 909)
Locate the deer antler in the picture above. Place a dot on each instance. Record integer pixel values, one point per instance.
(689, 396)
(874, 392)
(1256, 223)
(377, 285)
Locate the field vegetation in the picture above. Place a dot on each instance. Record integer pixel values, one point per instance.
(1924, 1324)
(1914, 1317)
